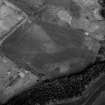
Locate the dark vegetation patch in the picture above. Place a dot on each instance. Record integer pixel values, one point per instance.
(60, 88)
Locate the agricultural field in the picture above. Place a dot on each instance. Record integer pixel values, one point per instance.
(52, 52)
